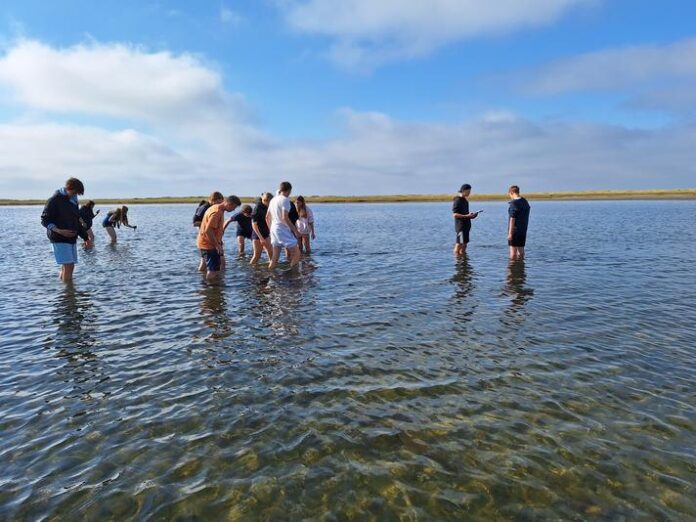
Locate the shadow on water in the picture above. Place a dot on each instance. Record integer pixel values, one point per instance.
(519, 293)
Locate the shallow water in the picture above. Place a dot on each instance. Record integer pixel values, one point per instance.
(384, 381)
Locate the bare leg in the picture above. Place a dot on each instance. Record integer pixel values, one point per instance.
(294, 256)
(258, 248)
(201, 265)
(67, 272)
(223, 263)
(307, 246)
(513, 252)
(240, 245)
(112, 233)
(90, 235)
(274, 257)
(268, 247)
(212, 275)
(520, 252)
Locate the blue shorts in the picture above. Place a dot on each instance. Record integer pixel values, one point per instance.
(65, 253)
(212, 260)
(255, 237)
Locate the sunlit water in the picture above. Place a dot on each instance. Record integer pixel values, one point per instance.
(384, 381)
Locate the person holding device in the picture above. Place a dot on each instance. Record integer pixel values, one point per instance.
(462, 219)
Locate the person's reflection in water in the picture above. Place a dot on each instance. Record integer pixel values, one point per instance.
(516, 288)
(464, 281)
(214, 311)
(74, 341)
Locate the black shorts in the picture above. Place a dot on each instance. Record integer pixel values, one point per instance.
(212, 260)
(518, 240)
(245, 235)
(462, 237)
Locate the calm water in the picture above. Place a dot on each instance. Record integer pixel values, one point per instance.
(384, 382)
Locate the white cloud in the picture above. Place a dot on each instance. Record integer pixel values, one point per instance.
(368, 33)
(650, 76)
(197, 138)
(228, 16)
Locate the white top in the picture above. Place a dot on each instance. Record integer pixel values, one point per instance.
(303, 223)
(276, 207)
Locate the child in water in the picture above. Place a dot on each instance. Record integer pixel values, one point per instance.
(304, 224)
(114, 219)
(261, 235)
(244, 229)
(87, 215)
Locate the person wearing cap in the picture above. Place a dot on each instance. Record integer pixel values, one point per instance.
(61, 217)
(462, 219)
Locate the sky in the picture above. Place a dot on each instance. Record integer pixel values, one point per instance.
(346, 97)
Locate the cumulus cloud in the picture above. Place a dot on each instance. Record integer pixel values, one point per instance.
(368, 33)
(196, 140)
(657, 76)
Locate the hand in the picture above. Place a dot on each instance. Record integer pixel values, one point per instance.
(509, 237)
(97, 212)
(474, 215)
(314, 236)
(135, 227)
(88, 244)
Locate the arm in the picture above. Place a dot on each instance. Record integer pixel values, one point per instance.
(511, 227)
(269, 219)
(310, 219)
(286, 218)
(229, 222)
(48, 217)
(255, 228)
(470, 215)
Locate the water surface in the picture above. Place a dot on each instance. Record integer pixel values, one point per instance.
(384, 381)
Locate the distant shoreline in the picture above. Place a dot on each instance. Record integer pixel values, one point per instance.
(409, 198)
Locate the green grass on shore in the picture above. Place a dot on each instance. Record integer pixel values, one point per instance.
(405, 198)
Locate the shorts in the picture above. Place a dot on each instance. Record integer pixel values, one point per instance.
(462, 237)
(518, 240)
(282, 237)
(212, 260)
(245, 235)
(255, 237)
(65, 253)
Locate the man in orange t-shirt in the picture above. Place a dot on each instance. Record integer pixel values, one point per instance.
(210, 234)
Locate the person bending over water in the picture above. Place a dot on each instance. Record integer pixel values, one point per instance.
(283, 232)
(304, 224)
(244, 230)
(517, 222)
(462, 219)
(87, 215)
(114, 219)
(61, 217)
(215, 199)
(210, 235)
(260, 236)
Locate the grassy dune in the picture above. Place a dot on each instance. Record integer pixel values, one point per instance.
(405, 198)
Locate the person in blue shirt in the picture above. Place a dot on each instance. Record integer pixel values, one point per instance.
(517, 222)
(61, 217)
(244, 228)
(87, 215)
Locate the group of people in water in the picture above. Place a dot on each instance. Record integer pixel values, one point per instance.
(274, 225)
(518, 221)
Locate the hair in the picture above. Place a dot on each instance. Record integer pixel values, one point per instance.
(285, 186)
(465, 187)
(514, 189)
(301, 205)
(246, 209)
(203, 202)
(234, 200)
(266, 195)
(216, 197)
(89, 204)
(75, 185)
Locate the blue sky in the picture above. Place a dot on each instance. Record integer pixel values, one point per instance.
(346, 96)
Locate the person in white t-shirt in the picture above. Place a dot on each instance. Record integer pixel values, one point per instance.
(283, 232)
(305, 225)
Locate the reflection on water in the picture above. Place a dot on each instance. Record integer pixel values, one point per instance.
(370, 384)
(519, 293)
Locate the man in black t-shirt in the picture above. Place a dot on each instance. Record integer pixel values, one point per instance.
(517, 223)
(462, 219)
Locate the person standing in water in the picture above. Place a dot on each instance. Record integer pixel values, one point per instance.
(87, 215)
(462, 219)
(304, 224)
(283, 231)
(260, 236)
(214, 199)
(210, 235)
(517, 222)
(244, 229)
(114, 219)
(61, 217)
